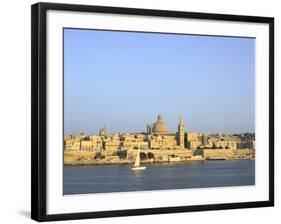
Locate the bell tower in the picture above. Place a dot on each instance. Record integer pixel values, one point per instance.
(181, 133)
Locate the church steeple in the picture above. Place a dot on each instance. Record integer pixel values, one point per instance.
(181, 121)
(181, 133)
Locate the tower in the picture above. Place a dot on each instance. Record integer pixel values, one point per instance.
(149, 129)
(103, 131)
(181, 133)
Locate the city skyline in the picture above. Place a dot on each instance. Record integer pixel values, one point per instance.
(104, 127)
(209, 81)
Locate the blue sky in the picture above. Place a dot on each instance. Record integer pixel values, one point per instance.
(125, 79)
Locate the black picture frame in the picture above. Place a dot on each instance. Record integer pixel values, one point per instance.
(38, 108)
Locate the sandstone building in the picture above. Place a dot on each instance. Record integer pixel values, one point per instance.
(158, 143)
(156, 137)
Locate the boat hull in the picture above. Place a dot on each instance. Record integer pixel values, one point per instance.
(138, 168)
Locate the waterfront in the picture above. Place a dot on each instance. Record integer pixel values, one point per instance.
(162, 176)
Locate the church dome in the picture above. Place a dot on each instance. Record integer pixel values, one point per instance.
(159, 126)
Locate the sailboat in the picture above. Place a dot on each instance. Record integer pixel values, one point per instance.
(137, 162)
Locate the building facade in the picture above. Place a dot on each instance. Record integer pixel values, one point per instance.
(156, 137)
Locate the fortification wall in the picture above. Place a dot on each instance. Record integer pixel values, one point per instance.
(218, 153)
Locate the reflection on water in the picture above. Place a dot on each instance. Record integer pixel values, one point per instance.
(120, 178)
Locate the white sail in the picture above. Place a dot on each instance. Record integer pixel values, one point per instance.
(137, 162)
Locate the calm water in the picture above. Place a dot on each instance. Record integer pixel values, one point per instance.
(119, 178)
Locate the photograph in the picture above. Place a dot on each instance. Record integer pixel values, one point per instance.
(139, 111)
(154, 111)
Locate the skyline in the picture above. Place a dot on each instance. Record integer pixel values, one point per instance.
(209, 81)
(144, 131)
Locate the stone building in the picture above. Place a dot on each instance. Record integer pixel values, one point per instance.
(157, 144)
(73, 142)
(225, 144)
(193, 140)
(159, 137)
(194, 144)
(156, 137)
